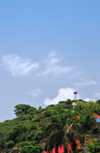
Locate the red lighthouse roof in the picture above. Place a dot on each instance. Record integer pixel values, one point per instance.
(75, 93)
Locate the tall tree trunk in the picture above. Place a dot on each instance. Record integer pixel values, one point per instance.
(56, 149)
(74, 146)
(65, 149)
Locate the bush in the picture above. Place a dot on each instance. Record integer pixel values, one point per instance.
(31, 149)
(9, 144)
(98, 101)
(94, 147)
(16, 132)
(34, 126)
(25, 143)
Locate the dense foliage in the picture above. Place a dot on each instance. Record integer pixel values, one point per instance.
(38, 130)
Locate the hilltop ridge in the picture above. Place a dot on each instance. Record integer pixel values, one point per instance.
(39, 130)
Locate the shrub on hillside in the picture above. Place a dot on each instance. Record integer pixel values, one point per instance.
(9, 144)
(94, 146)
(30, 149)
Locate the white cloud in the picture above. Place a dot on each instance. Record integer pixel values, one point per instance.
(56, 70)
(18, 66)
(52, 59)
(35, 92)
(53, 65)
(63, 94)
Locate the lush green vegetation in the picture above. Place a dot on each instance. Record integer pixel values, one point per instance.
(37, 130)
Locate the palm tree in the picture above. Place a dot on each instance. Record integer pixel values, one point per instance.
(55, 132)
(60, 132)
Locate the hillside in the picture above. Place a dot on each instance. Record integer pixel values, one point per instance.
(39, 130)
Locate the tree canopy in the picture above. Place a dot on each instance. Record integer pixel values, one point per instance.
(23, 109)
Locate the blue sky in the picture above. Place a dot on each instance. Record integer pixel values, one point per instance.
(48, 49)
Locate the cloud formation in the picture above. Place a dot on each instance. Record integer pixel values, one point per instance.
(53, 65)
(17, 65)
(63, 94)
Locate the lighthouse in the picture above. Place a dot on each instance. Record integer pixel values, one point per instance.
(75, 95)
